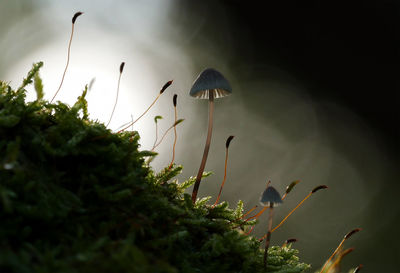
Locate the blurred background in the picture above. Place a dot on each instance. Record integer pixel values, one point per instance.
(315, 98)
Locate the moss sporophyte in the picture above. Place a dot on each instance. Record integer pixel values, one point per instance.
(77, 197)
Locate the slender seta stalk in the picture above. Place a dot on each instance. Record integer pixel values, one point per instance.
(298, 205)
(166, 132)
(347, 236)
(121, 68)
(228, 141)
(174, 101)
(156, 118)
(166, 85)
(76, 15)
(288, 190)
(290, 213)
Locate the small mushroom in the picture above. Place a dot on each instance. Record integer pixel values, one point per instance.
(288, 190)
(269, 198)
(210, 84)
(321, 187)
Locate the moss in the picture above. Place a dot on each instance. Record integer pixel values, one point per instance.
(76, 197)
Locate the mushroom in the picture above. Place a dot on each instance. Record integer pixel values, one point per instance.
(210, 84)
(288, 189)
(269, 198)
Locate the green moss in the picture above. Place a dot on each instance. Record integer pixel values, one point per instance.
(76, 197)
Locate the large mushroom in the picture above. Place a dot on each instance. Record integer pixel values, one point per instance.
(210, 84)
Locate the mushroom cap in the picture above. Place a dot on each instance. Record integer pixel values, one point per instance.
(270, 195)
(210, 80)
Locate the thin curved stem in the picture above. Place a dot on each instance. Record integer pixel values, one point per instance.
(333, 254)
(116, 99)
(66, 66)
(339, 259)
(133, 122)
(223, 181)
(347, 236)
(155, 140)
(250, 230)
(166, 132)
(175, 138)
(257, 215)
(290, 213)
(206, 147)
(247, 213)
(162, 138)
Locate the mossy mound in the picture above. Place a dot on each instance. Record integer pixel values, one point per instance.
(76, 197)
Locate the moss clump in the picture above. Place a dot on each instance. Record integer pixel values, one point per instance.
(75, 197)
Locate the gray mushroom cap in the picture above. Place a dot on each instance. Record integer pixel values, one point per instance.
(270, 195)
(210, 80)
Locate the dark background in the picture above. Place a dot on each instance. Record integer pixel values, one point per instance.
(345, 51)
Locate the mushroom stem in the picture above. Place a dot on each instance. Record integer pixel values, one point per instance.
(206, 147)
(271, 208)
